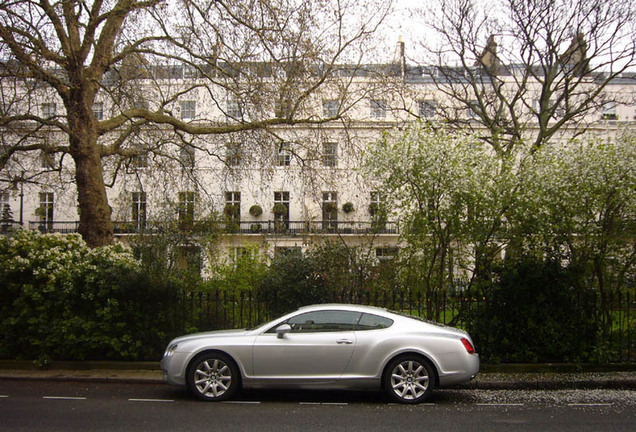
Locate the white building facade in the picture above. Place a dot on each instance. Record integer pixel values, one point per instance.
(271, 189)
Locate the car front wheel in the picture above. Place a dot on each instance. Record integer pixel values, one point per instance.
(409, 379)
(213, 377)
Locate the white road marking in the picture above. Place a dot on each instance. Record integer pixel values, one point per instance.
(325, 403)
(589, 404)
(4, 396)
(63, 398)
(151, 400)
(242, 402)
(499, 404)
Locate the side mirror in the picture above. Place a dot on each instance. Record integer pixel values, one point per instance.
(282, 330)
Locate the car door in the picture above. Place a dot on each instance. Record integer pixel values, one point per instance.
(319, 346)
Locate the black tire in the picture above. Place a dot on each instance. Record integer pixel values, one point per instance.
(409, 379)
(213, 377)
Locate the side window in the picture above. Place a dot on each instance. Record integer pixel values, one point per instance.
(324, 321)
(373, 322)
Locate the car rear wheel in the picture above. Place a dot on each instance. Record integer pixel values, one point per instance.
(213, 377)
(409, 379)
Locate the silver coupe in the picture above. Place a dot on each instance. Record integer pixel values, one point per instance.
(325, 346)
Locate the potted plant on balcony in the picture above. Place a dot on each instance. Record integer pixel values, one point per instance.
(348, 207)
(281, 212)
(256, 210)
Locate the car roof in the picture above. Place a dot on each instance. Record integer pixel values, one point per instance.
(344, 306)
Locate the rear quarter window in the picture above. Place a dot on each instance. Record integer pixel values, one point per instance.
(373, 322)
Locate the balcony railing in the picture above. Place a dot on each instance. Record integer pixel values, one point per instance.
(275, 228)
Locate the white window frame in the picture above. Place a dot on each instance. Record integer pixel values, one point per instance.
(188, 109)
(49, 109)
(330, 108)
(98, 110)
(379, 108)
(283, 155)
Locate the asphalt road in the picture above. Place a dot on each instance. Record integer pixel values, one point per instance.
(75, 406)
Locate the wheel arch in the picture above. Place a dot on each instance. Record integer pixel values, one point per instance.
(192, 359)
(419, 354)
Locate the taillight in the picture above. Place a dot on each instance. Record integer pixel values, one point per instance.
(469, 347)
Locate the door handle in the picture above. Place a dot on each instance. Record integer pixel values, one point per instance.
(345, 342)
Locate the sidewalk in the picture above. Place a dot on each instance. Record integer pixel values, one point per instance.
(492, 377)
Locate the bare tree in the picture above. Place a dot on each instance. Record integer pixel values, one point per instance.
(516, 70)
(108, 77)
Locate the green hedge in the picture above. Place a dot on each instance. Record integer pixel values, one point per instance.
(534, 312)
(60, 300)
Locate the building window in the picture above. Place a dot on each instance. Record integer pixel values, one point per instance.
(45, 211)
(139, 159)
(188, 259)
(188, 109)
(376, 202)
(471, 114)
(186, 156)
(241, 253)
(378, 212)
(186, 209)
(329, 210)
(233, 205)
(234, 110)
(378, 109)
(5, 208)
(283, 158)
(283, 108)
(48, 110)
(557, 107)
(609, 111)
(386, 253)
(232, 154)
(47, 160)
(189, 71)
(98, 110)
(330, 154)
(281, 210)
(287, 250)
(427, 108)
(139, 209)
(330, 108)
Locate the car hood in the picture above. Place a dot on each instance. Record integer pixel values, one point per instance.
(212, 334)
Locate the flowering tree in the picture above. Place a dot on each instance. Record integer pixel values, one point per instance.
(578, 204)
(451, 192)
(462, 206)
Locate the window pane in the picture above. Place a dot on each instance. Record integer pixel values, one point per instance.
(324, 321)
(374, 322)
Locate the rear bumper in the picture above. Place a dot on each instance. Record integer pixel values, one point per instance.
(468, 371)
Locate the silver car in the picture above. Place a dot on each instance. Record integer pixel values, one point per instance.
(325, 346)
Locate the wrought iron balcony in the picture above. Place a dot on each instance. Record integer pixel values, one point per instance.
(270, 227)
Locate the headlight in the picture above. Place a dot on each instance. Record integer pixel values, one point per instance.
(170, 350)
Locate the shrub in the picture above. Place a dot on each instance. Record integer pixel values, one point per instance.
(533, 312)
(61, 300)
(291, 282)
(279, 209)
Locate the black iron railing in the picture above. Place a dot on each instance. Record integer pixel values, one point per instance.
(270, 227)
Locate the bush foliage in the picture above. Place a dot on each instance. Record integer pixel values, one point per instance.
(534, 313)
(60, 300)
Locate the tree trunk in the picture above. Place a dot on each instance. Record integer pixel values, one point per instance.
(95, 224)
